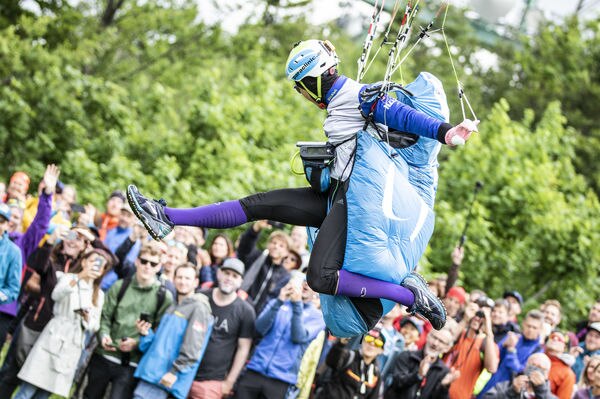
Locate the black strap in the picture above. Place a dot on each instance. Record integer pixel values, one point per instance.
(160, 299)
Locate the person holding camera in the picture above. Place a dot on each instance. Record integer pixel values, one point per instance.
(172, 353)
(116, 357)
(50, 366)
(474, 350)
(531, 383)
(288, 324)
(265, 274)
(515, 349)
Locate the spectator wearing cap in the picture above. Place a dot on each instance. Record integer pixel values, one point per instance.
(593, 317)
(231, 338)
(422, 373)
(288, 324)
(110, 219)
(59, 254)
(454, 301)
(173, 352)
(589, 347)
(355, 373)
(27, 243)
(501, 324)
(473, 351)
(265, 274)
(515, 349)
(516, 302)
(561, 377)
(116, 237)
(531, 383)
(411, 329)
(18, 186)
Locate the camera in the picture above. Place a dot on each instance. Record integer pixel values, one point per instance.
(276, 225)
(484, 301)
(480, 314)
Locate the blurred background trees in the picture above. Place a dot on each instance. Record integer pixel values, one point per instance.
(120, 91)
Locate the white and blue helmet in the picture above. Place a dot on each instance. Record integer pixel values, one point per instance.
(310, 58)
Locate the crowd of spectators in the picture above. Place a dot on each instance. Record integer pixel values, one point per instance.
(91, 307)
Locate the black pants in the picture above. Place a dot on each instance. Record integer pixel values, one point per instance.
(101, 372)
(253, 385)
(305, 207)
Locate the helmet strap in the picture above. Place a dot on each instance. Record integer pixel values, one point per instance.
(317, 97)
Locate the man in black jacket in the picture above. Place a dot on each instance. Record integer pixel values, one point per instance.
(422, 374)
(355, 374)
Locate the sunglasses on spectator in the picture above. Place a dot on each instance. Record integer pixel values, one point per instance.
(557, 337)
(148, 262)
(378, 342)
(178, 244)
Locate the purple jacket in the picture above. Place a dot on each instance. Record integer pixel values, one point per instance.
(29, 241)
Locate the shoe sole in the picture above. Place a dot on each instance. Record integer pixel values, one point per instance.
(134, 207)
(442, 302)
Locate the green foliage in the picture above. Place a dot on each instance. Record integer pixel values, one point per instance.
(535, 222)
(194, 114)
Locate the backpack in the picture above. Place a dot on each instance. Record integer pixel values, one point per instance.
(160, 298)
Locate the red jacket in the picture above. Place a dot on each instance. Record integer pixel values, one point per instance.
(561, 377)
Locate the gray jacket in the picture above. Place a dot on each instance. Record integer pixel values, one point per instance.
(504, 390)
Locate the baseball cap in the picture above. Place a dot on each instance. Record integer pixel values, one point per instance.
(234, 264)
(126, 207)
(514, 294)
(118, 194)
(457, 293)
(595, 326)
(5, 211)
(417, 323)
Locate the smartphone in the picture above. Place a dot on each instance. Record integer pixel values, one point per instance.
(98, 263)
(145, 317)
(276, 225)
(297, 278)
(77, 208)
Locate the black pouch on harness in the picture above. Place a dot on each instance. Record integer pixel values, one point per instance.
(316, 158)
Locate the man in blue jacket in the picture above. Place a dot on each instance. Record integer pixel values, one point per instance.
(515, 350)
(287, 324)
(172, 354)
(10, 260)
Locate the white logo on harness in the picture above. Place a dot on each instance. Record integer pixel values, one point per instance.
(388, 195)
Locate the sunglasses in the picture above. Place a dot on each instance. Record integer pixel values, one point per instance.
(147, 262)
(378, 342)
(558, 337)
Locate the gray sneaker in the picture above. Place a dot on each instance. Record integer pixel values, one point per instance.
(150, 212)
(426, 304)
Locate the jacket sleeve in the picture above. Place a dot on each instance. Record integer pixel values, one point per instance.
(146, 340)
(265, 320)
(396, 115)
(108, 309)
(567, 386)
(502, 390)
(12, 280)
(339, 357)
(38, 228)
(305, 323)
(543, 391)
(123, 267)
(247, 251)
(404, 374)
(63, 286)
(194, 339)
(93, 323)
